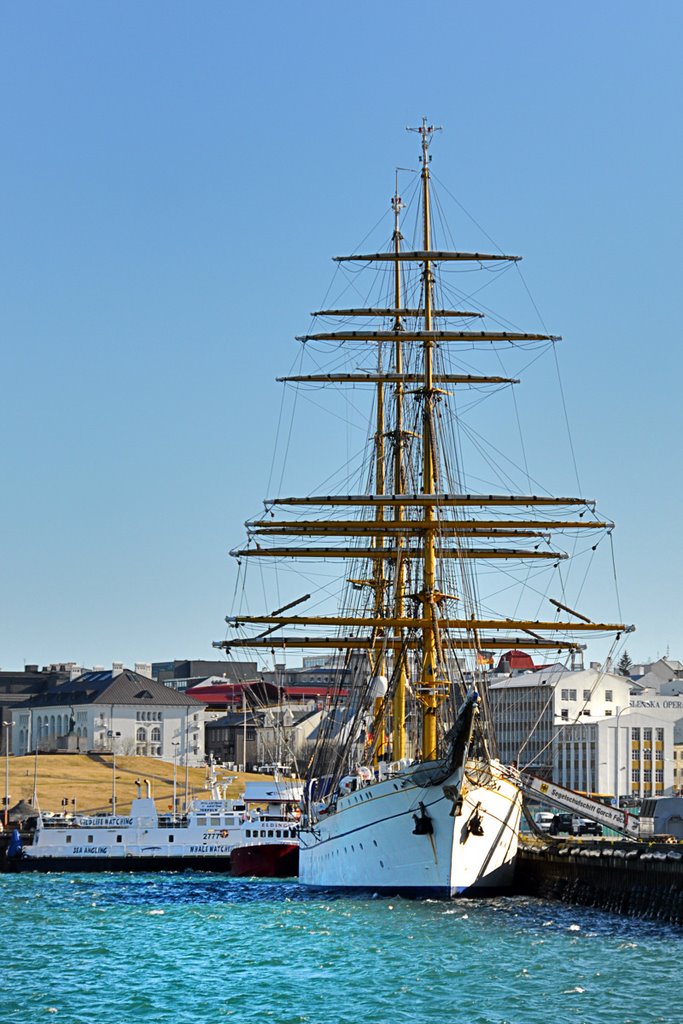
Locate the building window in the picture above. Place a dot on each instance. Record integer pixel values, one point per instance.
(608, 712)
(635, 735)
(635, 775)
(141, 736)
(647, 775)
(586, 695)
(660, 735)
(647, 735)
(565, 694)
(659, 775)
(608, 696)
(156, 734)
(564, 715)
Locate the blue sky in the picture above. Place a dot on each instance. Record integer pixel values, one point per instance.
(174, 180)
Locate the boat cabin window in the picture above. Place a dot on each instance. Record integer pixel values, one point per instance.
(171, 839)
(248, 833)
(201, 819)
(68, 839)
(270, 833)
(119, 839)
(215, 819)
(91, 839)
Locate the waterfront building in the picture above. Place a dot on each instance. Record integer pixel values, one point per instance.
(275, 735)
(117, 712)
(590, 730)
(663, 676)
(183, 674)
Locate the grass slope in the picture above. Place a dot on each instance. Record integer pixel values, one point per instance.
(87, 779)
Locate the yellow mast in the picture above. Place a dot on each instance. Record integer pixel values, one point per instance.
(427, 689)
(378, 662)
(398, 740)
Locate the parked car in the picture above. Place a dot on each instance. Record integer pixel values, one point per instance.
(564, 823)
(544, 820)
(586, 827)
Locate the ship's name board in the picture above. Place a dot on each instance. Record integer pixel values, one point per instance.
(666, 705)
(101, 850)
(110, 822)
(209, 848)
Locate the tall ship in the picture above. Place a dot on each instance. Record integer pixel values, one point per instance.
(405, 792)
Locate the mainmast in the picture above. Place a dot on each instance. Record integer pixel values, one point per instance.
(379, 580)
(429, 597)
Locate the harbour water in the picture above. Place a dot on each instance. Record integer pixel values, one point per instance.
(175, 949)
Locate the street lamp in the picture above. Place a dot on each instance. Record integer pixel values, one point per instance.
(187, 760)
(620, 712)
(175, 778)
(7, 726)
(113, 779)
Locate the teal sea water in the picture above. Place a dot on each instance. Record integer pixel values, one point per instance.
(175, 949)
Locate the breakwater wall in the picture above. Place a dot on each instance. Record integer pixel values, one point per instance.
(627, 878)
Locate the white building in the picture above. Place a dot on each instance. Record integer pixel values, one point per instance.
(590, 730)
(120, 713)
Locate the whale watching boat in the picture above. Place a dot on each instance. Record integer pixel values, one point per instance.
(405, 792)
(203, 839)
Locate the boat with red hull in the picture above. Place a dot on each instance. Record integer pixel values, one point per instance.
(272, 860)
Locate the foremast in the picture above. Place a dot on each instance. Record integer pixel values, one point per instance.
(429, 597)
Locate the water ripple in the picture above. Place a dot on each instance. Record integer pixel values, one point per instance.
(177, 949)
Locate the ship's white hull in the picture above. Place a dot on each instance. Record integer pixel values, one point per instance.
(369, 841)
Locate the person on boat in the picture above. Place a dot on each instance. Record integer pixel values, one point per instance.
(14, 849)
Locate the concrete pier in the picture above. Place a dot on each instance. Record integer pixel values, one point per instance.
(637, 879)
